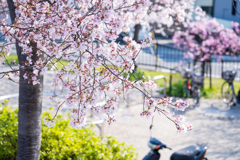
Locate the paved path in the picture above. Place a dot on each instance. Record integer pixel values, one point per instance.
(215, 124)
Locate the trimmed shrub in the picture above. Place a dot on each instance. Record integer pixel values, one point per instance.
(62, 142)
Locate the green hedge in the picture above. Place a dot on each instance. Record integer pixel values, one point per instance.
(62, 141)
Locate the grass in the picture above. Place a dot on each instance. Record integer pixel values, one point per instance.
(177, 81)
(13, 57)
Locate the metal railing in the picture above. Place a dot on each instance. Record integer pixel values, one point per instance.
(160, 88)
(168, 57)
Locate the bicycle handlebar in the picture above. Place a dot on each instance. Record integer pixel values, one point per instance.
(192, 69)
(165, 147)
(169, 148)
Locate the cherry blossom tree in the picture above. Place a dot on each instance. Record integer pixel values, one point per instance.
(207, 37)
(167, 16)
(82, 33)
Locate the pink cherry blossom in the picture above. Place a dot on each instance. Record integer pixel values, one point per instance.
(49, 123)
(110, 119)
(165, 101)
(146, 113)
(198, 10)
(181, 105)
(180, 119)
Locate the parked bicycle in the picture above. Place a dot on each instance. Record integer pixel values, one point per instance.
(227, 91)
(193, 83)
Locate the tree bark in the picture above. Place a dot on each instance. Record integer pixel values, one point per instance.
(135, 38)
(30, 107)
(136, 32)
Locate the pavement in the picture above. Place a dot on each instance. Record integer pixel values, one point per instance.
(214, 124)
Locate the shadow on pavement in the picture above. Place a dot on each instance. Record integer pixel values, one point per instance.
(221, 110)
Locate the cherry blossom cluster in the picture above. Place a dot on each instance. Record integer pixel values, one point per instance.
(150, 109)
(150, 84)
(184, 129)
(181, 105)
(147, 42)
(110, 119)
(84, 34)
(235, 27)
(207, 37)
(165, 101)
(49, 123)
(179, 121)
(3, 14)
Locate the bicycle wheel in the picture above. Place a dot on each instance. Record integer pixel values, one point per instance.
(227, 93)
(196, 95)
(238, 97)
(185, 90)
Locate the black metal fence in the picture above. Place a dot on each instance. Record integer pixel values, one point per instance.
(169, 58)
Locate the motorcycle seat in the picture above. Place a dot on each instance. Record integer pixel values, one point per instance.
(187, 153)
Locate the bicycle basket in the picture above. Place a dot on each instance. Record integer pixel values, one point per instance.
(197, 80)
(185, 74)
(229, 75)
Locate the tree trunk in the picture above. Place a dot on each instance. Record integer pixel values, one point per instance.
(30, 107)
(210, 73)
(136, 32)
(135, 38)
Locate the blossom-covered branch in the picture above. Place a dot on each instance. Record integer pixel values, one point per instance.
(83, 33)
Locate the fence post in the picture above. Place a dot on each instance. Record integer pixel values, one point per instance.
(170, 82)
(203, 70)
(222, 68)
(207, 68)
(156, 57)
(210, 72)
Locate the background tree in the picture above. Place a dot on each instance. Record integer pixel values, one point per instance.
(166, 17)
(206, 38)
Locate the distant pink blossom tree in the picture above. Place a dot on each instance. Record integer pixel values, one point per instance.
(165, 17)
(169, 16)
(207, 37)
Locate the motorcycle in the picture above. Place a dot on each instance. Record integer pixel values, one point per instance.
(188, 153)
